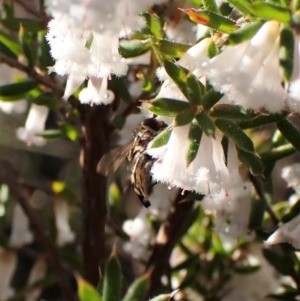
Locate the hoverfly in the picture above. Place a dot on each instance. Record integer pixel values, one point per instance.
(135, 152)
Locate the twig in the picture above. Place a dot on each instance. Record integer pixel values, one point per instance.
(94, 144)
(42, 79)
(169, 233)
(64, 278)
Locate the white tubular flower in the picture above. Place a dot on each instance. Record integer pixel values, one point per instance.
(232, 201)
(254, 286)
(37, 273)
(294, 88)
(35, 123)
(8, 264)
(289, 232)
(291, 174)
(20, 231)
(248, 73)
(64, 233)
(141, 234)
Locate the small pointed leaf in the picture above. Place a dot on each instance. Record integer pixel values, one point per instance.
(167, 106)
(86, 291)
(13, 45)
(155, 24)
(231, 112)
(241, 5)
(184, 117)
(234, 132)
(16, 91)
(120, 86)
(211, 5)
(251, 161)
(162, 138)
(210, 99)
(171, 48)
(112, 279)
(206, 124)
(270, 11)
(194, 89)
(286, 53)
(133, 48)
(138, 289)
(193, 142)
(211, 20)
(244, 33)
(290, 133)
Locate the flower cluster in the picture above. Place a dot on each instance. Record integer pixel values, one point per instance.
(84, 41)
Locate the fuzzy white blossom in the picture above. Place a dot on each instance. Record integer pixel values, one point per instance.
(84, 40)
(20, 230)
(35, 124)
(248, 73)
(140, 229)
(290, 231)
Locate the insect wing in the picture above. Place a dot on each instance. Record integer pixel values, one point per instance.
(112, 160)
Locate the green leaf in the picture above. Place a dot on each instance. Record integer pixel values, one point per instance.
(133, 48)
(211, 20)
(210, 99)
(193, 142)
(194, 89)
(28, 24)
(244, 33)
(11, 44)
(184, 117)
(277, 153)
(246, 269)
(179, 76)
(286, 53)
(28, 42)
(251, 161)
(262, 120)
(51, 134)
(282, 263)
(138, 289)
(6, 51)
(211, 5)
(121, 88)
(241, 5)
(112, 279)
(148, 84)
(175, 50)
(155, 24)
(167, 106)
(269, 11)
(233, 132)
(290, 133)
(86, 292)
(206, 124)
(47, 99)
(212, 50)
(16, 91)
(70, 131)
(162, 138)
(227, 111)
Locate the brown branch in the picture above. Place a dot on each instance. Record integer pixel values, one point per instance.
(169, 234)
(63, 277)
(94, 144)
